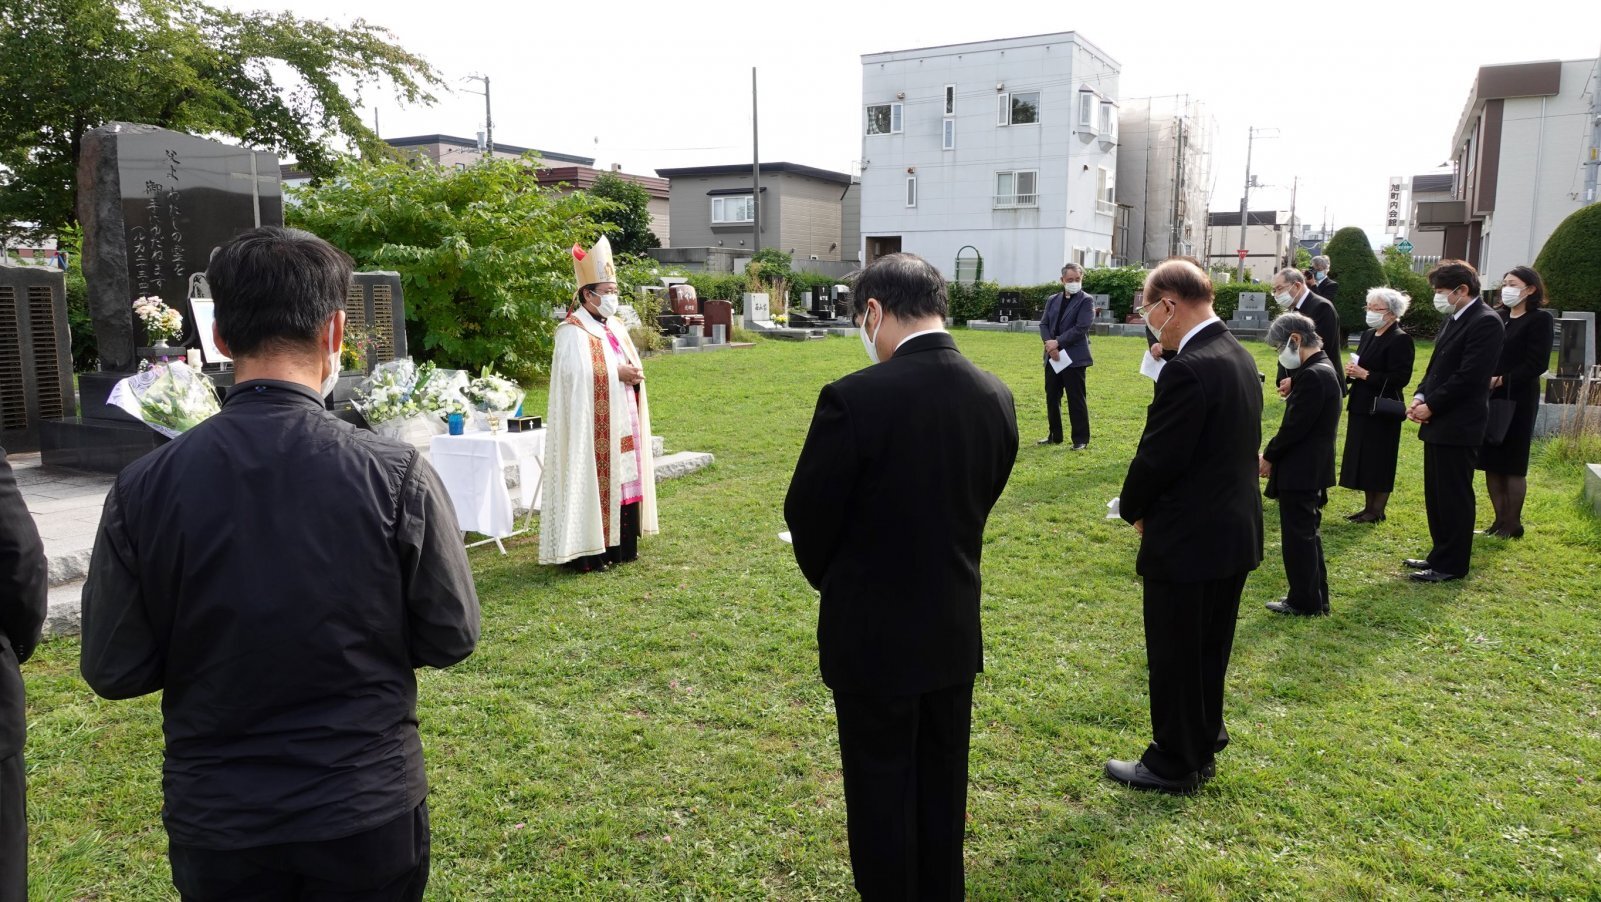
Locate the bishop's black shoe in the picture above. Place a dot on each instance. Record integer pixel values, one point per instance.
(1049, 441)
(1416, 563)
(1432, 576)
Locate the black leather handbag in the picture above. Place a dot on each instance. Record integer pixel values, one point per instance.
(1501, 410)
(1387, 407)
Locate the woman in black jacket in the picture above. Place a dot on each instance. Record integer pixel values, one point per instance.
(1525, 356)
(1381, 367)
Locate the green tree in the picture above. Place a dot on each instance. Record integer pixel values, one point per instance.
(265, 78)
(484, 252)
(627, 222)
(1421, 319)
(1303, 259)
(1570, 261)
(1353, 263)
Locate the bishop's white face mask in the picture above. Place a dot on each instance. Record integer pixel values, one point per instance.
(1072, 288)
(1442, 303)
(1511, 297)
(1290, 357)
(332, 381)
(608, 306)
(869, 342)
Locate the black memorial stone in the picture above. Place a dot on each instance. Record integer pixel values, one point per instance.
(1009, 306)
(35, 354)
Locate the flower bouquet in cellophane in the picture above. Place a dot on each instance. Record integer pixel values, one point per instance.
(170, 398)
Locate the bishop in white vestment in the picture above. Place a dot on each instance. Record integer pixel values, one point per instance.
(599, 482)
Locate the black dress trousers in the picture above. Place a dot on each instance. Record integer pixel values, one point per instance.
(905, 766)
(13, 830)
(1448, 496)
(1189, 635)
(1070, 382)
(386, 864)
(1300, 526)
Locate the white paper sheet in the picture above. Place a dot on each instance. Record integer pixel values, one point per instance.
(205, 314)
(787, 537)
(1061, 362)
(1151, 367)
(1114, 510)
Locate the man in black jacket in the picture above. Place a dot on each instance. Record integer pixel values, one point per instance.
(1289, 289)
(1452, 404)
(279, 574)
(1065, 329)
(1191, 492)
(23, 590)
(1322, 280)
(887, 509)
(1298, 462)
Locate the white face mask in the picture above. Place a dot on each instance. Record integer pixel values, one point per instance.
(1375, 319)
(608, 306)
(1284, 298)
(1290, 357)
(330, 383)
(1511, 296)
(869, 342)
(1442, 303)
(1072, 288)
(1157, 332)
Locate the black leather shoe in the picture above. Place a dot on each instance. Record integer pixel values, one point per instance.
(1049, 441)
(1283, 606)
(1135, 774)
(1432, 576)
(1365, 517)
(1081, 446)
(1208, 771)
(1415, 563)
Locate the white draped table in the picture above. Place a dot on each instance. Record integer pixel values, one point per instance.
(473, 469)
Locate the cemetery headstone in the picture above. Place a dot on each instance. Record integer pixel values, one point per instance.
(758, 312)
(1253, 300)
(718, 313)
(35, 354)
(1008, 306)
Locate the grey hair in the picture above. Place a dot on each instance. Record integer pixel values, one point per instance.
(1292, 323)
(1292, 275)
(1073, 266)
(1320, 262)
(1397, 301)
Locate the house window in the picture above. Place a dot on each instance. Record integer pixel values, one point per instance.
(738, 208)
(949, 140)
(1106, 191)
(1017, 188)
(1086, 109)
(884, 119)
(1108, 118)
(911, 191)
(1018, 108)
(950, 100)
(1080, 256)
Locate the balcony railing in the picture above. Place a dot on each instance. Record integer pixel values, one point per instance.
(1105, 207)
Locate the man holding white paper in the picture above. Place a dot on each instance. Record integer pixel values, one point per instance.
(1065, 329)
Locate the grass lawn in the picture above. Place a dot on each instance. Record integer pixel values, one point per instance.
(660, 731)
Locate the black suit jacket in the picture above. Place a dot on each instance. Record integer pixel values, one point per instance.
(1456, 385)
(1068, 321)
(1326, 321)
(1194, 478)
(1327, 288)
(1388, 358)
(1302, 452)
(887, 509)
(24, 585)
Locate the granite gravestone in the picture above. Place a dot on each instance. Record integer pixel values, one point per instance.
(153, 204)
(758, 312)
(35, 354)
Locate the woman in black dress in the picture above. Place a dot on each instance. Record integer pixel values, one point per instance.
(1381, 367)
(1525, 355)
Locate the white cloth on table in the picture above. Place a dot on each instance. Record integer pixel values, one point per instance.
(473, 466)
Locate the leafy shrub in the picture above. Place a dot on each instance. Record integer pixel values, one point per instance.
(1570, 262)
(972, 301)
(1118, 284)
(1353, 263)
(1421, 319)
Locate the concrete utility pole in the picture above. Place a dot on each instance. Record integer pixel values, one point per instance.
(1295, 184)
(1245, 202)
(1592, 163)
(755, 169)
(489, 118)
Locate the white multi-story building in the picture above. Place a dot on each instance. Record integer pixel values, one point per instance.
(1164, 161)
(1524, 154)
(1004, 150)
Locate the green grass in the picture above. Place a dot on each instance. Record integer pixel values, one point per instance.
(660, 731)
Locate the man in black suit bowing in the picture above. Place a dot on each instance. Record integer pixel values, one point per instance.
(1289, 289)
(1065, 329)
(887, 509)
(22, 610)
(1191, 492)
(1453, 405)
(1298, 462)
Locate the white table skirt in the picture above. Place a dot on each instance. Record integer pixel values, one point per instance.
(473, 467)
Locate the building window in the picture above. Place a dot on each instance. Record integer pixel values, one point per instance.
(911, 191)
(1080, 256)
(884, 119)
(1017, 188)
(1106, 192)
(948, 142)
(739, 208)
(1108, 118)
(1018, 108)
(1086, 109)
(950, 100)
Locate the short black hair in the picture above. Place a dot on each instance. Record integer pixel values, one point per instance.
(1449, 275)
(907, 286)
(274, 288)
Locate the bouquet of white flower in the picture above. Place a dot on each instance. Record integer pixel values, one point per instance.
(171, 397)
(440, 393)
(386, 394)
(492, 392)
(161, 322)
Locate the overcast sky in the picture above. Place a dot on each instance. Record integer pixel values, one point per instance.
(1362, 92)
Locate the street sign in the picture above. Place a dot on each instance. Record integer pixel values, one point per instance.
(1404, 246)
(1241, 252)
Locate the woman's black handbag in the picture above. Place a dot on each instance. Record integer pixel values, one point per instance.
(1387, 407)
(1501, 410)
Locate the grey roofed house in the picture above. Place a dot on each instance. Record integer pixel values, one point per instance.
(803, 212)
